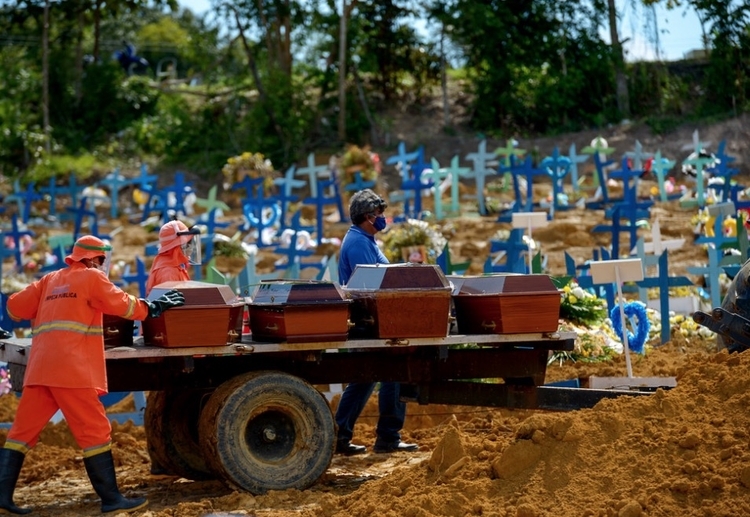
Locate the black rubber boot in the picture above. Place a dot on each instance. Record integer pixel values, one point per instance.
(101, 471)
(10, 466)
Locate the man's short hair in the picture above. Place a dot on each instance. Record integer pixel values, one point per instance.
(363, 203)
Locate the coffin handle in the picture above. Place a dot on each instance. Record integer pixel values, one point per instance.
(488, 326)
(273, 327)
(369, 320)
(158, 337)
(350, 324)
(112, 331)
(232, 335)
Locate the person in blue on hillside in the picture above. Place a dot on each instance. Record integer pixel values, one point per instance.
(359, 247)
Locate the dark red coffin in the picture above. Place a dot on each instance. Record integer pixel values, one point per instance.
(211, 316)
(506, 304)
(299, 311)
(399, 300)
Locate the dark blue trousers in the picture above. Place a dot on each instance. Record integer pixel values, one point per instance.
(392, 411)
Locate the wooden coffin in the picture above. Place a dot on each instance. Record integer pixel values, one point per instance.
(117, 331)
(211, 316)
(506, 304)
(399, 301)
(298, 311)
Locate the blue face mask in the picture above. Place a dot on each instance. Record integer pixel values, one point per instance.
(379, 223)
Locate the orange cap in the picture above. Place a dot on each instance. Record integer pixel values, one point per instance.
(87, 247)
(173, 234)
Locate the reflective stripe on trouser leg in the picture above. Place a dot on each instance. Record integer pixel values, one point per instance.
(35, 409)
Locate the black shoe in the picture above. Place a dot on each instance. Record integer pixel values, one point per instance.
(382, 447)
(349, 449)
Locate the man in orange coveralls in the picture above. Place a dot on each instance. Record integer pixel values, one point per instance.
(178, 246)
(66, 368)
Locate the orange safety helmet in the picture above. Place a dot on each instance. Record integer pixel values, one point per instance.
(88, 247)
(174, 234)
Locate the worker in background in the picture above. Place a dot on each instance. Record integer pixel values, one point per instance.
(66, 367)
(179, 246)
(359, 247)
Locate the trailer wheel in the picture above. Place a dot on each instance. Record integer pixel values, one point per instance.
(738, 288)
(171, 424)
(267, 431)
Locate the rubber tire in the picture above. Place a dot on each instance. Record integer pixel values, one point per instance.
(171, 423)
(738, 287)
(299, 417)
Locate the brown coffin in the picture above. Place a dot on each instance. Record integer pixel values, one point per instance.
(506, 304)
(211, 316)
(117, 331)
(298, 311)
(399, 301)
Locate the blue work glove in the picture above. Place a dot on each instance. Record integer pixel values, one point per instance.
(173, 298)
(4, 334)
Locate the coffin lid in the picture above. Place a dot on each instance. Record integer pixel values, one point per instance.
(372, 277)
(503, 283)
(297, 292)
(198, 293)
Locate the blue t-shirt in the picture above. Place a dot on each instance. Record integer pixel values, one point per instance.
(358, 247)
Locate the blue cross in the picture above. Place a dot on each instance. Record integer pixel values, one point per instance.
(24, 199)
(292, 254)
(481, 171)
(711, 273)
(254, 217)
(140, 276)
(413, 183)
(601, 176)
(82, 212)
(285, 195)
(721, 170)
(114, 181)
(526, 170)
(575, 159)
(52, 191)
(512, 249)
(322, 200)
(663, 282)
(73, 190)
(313, 173)
(615, 229)
(209, 219)
(145, 180)
(402, 157)
(358, 183)
(660, 167)
(557, 167)
(15, 234)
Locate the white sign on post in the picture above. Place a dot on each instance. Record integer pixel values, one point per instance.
(617, 272)
(529, 221)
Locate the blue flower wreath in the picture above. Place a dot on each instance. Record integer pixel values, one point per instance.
(637, 310)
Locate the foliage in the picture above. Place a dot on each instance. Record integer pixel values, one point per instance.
(589, 346)
(413, 232)
(580, 306)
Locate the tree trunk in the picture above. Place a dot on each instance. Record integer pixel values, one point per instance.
(342, 73)
(97, 28)
(45, 76)
(258, 83)
(621, 79)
